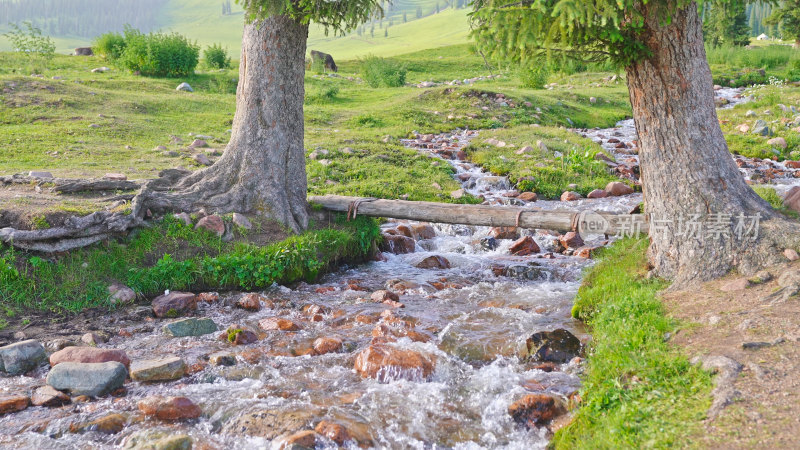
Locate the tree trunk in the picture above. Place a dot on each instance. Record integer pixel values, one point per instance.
(263, 168)
(685, 163)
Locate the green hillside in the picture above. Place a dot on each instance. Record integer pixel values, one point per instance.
(203, 21)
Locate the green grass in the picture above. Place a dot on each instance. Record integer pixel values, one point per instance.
(638, 391)
(174, 256)
(734, 66)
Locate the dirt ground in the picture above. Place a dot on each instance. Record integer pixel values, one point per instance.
(758, 327)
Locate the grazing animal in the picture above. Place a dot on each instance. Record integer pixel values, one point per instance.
(325, 58)
(84, 51)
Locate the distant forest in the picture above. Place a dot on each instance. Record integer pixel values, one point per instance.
(85, 18)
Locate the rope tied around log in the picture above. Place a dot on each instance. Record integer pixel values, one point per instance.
(353, 208)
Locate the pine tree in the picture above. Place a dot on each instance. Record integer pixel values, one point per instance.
(726, 23)
(787, 16)
(686, 168)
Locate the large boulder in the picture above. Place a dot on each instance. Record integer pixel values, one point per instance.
(190, 327)
(92, 379)
(164, 369)
(385, 363)
(21, 357)
(174, 304)
(556, 346)
(89, 355)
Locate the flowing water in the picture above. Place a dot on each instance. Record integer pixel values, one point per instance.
(473, 318)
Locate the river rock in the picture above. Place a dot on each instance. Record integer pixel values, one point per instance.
(157, 440)
(325, 345)
(238, 335)
(212, 223)
(597, 193)
(792, 199)
(524, 246)
(384, 295)
(571, 240)
(398, 244)
(268, 423)
(777, 142)
(184, 87)
(190, 327)
(570, 196)
(164, 369)
(108, 424)
(89, 355)
(48, 396)
(488, 243)
(385, 363)
(21, 357)
(504, 232)
(174, 304)
(528, 196)
(299, 440)
(277, 324)
(556, 346)
(536, 409)
(333, 431)
(423, 231)
(617, 188)
(222, 359)
(433, 262)
(13, 403)
(169, 408)
(242, 221)
(92, 379)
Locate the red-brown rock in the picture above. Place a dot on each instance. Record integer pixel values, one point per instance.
(385, 362)
(571, 240)
(536, 409)
(108, 424)
(504, 232)
(277, 324)
(617, 188)
(585, 252)
(252, 302)
(383, 295)
(597, 193)
(48, 396)
(792, 199)
(238, 335)
(434, 262)
(325, 345)
(300, 439)
(792, 164)
(212, 223)
(174, 304)
(89, 355)
(333, 431)
(208, 297)
(570, 196)
(169, 408)
(13, 403)
(423, 231)
(398, 244)
(524, 246)
(528, 196)
(404, 230)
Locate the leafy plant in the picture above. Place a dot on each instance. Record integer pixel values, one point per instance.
(379, 72)
(217, 57)
(322, 93)
(109, 45)
(159, 54)
(534, 74)
(30, 41)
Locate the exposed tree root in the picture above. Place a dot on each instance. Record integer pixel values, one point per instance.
(70, 186)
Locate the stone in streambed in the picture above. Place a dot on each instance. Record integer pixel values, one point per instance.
(48, 396)
(91, 379)
(157, 440)
(165, 369)
(536, 409)
(556, 346)
(13, 403)
(570, 196)
(169, 408)
(174, 304)
(268, 423)
(108, 424)
(89, 355)
(21, 357)
(618, 188)
(524, 246)
(190, 327)
(385, 363)
(433, 262)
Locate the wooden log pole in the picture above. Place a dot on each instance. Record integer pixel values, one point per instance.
(486, 215)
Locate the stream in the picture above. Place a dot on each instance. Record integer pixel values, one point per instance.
(470, 313)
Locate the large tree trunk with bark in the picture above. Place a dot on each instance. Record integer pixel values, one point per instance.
(688, 175)
(263, 168)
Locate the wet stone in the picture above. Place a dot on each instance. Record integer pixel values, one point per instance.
(165, 369)
(333, 431)
(555, 346)
(92, 379)
(21, 357)
(327, 345)
(13, 403)
(108, 424)
(277, 324)
(222, 359)
(385, 363)
(536, 409)
(174, 304)
(48, 396)
(434, 262)
(524, 246)
(89, 355)
(169, 408)
(190, 327)
(268, 423)
(158, 440)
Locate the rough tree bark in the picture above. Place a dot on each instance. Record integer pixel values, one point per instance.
(263, 168)
(685, 163)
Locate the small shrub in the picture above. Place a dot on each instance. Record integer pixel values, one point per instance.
(534, 75)
(323, 93)
(109, 46)
(379, 72)
(317, 66)
(30, 40)
(217, 57)
(159, 54)
(223, 83)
